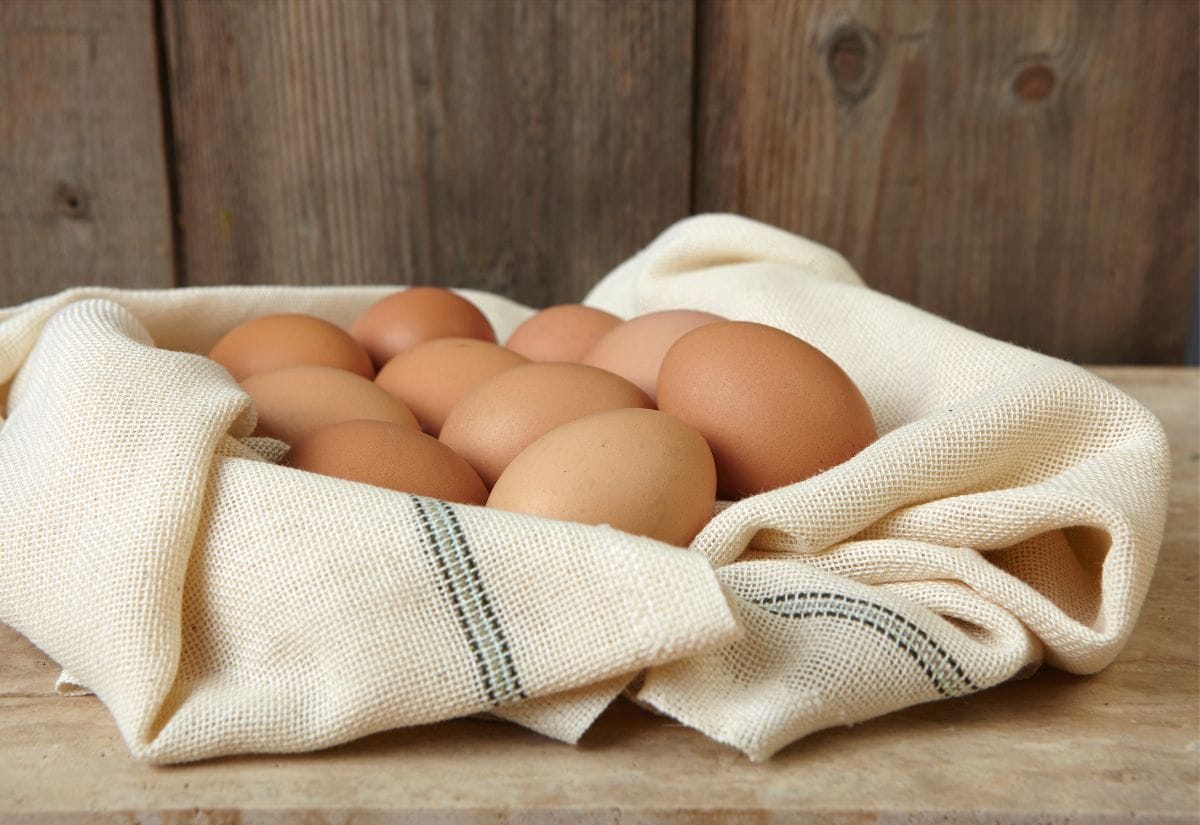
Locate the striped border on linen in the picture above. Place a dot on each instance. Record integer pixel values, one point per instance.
(447, 548)
(945, 673)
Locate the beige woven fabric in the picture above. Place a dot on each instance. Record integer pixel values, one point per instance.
(1010, 513)
(217, 603)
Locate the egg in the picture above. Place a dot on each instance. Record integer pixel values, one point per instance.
(508, 412)
(414, 316)
(774, 409)
(431, 378)
(388, 455)
(294, 401)
(566, 332)
(277, 341)
(634, 350)
(641, 471)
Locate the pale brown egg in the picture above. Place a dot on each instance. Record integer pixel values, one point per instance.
(414, 316)
(508, 412)
(773, 408)
(388, 455)
(641, 471)
(635, 349)
(431, 378)
(277, 341)
(293, 402)
(561, 333)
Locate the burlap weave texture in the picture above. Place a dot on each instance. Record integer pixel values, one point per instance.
(1009, 514)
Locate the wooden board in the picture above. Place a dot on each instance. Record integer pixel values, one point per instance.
(1054, 748)
(83, 181)
(519, 147)
(1028, 169)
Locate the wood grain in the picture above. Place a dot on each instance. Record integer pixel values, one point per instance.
(1053, 748)
(24, 670)
(520, 147)
(83, 182)
(1027, 169)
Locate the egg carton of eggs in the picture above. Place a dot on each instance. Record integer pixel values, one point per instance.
(735, 483)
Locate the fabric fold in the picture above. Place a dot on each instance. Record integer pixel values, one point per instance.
(219, 603)
(1025, 489)
(1009, 514)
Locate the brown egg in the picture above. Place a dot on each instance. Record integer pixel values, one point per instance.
(414, 316)
(635, 349)
(774, 409)
(508, 412)
(388, 455)
(431, 378)
(293, 402)
(561, 333)
(277, 341)
(640, 471)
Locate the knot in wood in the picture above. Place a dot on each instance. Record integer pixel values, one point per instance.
(852, 60)
(71, 201)
(1034, 83)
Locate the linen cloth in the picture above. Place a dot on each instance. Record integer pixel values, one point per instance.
(1009, 514)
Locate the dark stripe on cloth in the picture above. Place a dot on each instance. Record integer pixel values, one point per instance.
(447, 548)
(942, 670)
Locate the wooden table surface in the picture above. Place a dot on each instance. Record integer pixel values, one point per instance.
(1055, 748)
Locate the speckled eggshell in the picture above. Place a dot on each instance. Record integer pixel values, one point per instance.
(641, 471)
(274, 342)
(634, 350)
(431, 378)
(507, 413)
(414, 316)
(388, 455)
(293, 402)
(774, 409)
(566, 332)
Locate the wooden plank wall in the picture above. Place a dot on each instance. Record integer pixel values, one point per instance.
(523, 147)
(83, 181)
(1027, 169)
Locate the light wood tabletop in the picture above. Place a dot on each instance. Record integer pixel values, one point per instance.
(1119, 745)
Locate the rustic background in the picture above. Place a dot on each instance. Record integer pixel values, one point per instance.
(1028, 169)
